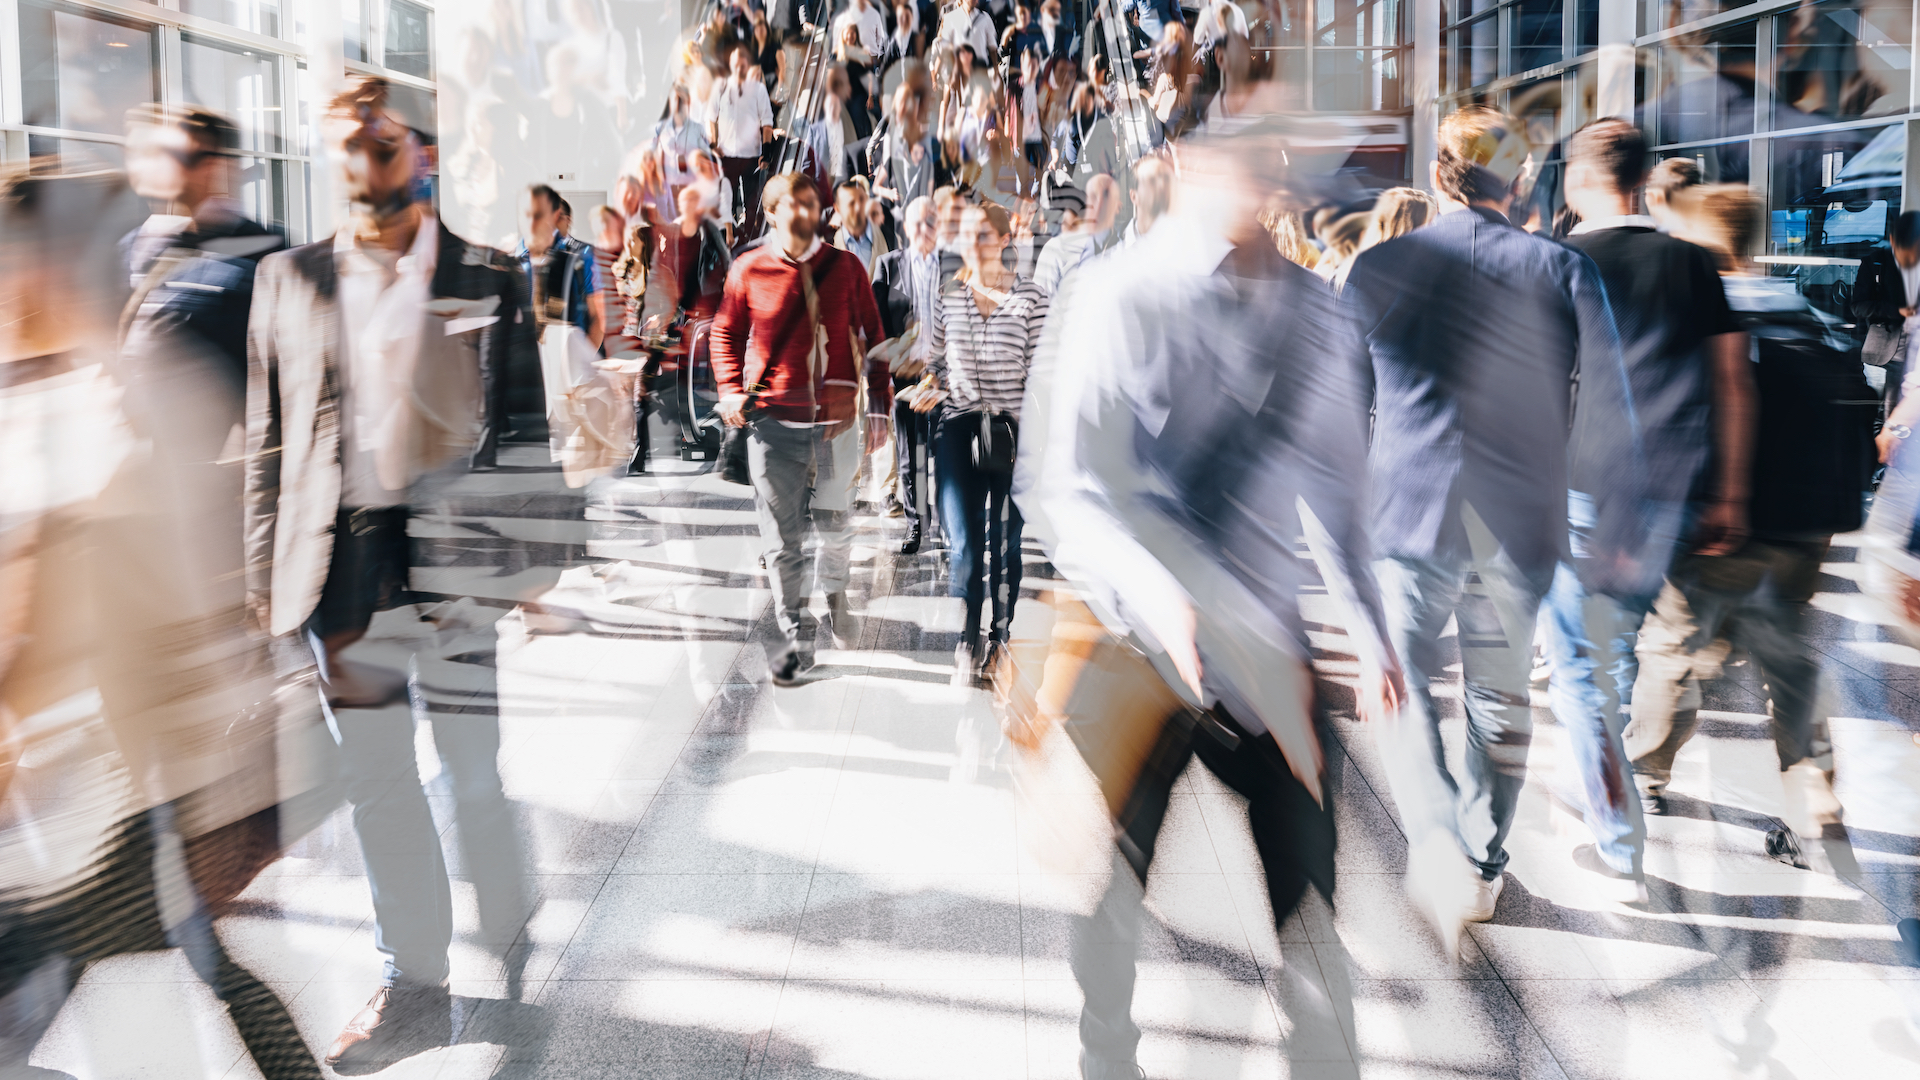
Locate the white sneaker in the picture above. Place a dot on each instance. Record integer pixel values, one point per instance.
(1437, 884)
(962, 667)
(1483, 898)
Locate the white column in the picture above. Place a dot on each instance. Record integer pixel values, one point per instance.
(1614, 95)
(327, 73)
(1425, 125)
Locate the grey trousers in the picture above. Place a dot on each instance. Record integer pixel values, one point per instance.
(802, 481)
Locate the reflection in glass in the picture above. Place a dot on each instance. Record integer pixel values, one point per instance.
(1586, 29)
(1832, 197)
(1346, 22)
(353, 24)
(408, 47)
(1842, 61)
(1536, 34)
(1703, 86)
(80, 71)
(259, 16)
(1539, 105)
(1665, 14)
(241, 83)
(1479, 52)
(1347, 80)
(261, 190)
(52, 154)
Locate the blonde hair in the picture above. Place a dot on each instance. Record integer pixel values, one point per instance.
(1289, 235)
(1397, 212)
(1469, 141)
(1723, 218)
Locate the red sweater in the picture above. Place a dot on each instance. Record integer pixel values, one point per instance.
(761, 336)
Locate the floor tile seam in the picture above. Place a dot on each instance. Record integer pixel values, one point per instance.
(561, 957)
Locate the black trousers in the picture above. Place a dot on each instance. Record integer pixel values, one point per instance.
(913, 443)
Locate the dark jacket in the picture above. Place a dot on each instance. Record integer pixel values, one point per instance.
(891, 292)
(203, 293)
(1878, 291)
(1479, 333)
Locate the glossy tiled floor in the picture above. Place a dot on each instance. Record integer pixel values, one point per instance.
(846, 880)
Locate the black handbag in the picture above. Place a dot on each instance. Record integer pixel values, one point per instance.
(994, 445)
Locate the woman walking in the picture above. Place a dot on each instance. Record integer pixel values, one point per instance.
(985, 328)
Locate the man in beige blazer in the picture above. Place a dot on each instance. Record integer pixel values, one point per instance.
(370, 355)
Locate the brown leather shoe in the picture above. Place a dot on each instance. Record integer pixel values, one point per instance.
(399, 1022)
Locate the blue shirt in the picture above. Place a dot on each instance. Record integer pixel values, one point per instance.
(568, 272)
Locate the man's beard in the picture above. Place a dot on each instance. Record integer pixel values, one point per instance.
(394, 203)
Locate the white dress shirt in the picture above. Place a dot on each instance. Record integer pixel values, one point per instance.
(871, 26)
(410, 388)
(740, 110)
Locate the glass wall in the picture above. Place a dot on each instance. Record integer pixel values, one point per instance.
(1808, 103)
(82, 64)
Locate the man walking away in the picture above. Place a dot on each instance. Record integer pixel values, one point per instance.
(1475, 328)
(789, 354)
(1686, 359)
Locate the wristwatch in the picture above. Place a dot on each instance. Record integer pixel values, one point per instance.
(1899, 431)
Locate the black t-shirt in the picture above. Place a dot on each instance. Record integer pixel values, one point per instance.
(1667, 301)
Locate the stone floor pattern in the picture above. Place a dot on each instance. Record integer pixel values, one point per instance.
(842, 879)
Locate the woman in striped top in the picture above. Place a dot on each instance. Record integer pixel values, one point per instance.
(985, 328)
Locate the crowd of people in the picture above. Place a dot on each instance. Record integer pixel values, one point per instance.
(945, 288)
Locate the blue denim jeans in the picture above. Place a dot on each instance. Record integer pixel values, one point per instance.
(1591, 645)
(1495, 606)
(982, 527)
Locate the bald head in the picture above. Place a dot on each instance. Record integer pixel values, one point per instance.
(922, 225)
(1103, 202)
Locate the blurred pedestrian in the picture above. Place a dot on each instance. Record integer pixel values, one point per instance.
(741, 126)
(1474, 327)
(906, 289)
(1686, 359)
(351, 432)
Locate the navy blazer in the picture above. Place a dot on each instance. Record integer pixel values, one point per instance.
(1479, 334)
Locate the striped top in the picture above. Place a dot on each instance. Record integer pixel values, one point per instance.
(983, 360)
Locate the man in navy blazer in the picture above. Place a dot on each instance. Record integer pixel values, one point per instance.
(1480, 334)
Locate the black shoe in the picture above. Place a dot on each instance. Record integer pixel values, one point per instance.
(989, 660)
(911, 545)
(1653, 804)
(1783, 846)
(785, 669)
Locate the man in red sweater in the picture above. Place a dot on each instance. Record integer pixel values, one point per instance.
(789, 352)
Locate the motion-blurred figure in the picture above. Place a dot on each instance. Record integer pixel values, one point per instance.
(1475, 327)
(141, 763)
(364, 400)
(1686, 358)
(1810, 465)
(1172, 477)
(906, 287)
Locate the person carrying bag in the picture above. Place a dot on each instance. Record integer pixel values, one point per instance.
(985, 329)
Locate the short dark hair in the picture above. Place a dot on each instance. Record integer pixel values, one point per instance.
(1906, 229)
(212, 132)
(554, 201)
(371, 93)
(849, 185)
(785, 186)
(563, 206)
(1616, 148)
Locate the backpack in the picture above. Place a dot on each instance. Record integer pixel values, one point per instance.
(1813, 455)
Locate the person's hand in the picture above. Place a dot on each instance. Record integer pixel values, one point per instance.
(732, 410)
(1177, 631)
(1887, 442)
(1906, 313)
(924, 402)
(912, 368)
(1723, 528)
(879, 426)
(1380, 693)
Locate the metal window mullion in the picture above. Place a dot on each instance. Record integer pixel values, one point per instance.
(1503, 43)
(170, 65)
(11, 109)
(1763, 74)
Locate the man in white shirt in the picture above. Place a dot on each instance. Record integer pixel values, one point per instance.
(742, 123)
(966, 26)
(1084, 240)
